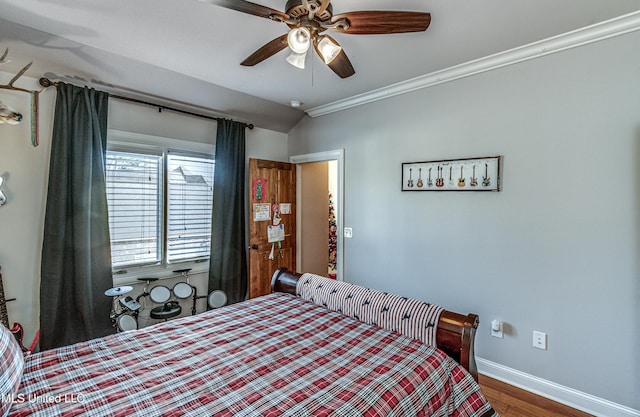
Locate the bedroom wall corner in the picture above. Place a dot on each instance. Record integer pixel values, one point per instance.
(25, 169)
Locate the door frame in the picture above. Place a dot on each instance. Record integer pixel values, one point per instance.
(334, 155)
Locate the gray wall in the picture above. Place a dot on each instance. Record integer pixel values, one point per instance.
(555, 251)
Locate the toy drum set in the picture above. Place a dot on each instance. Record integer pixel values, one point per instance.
(125, 310)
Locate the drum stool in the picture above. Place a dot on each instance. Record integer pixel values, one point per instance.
(166, 311)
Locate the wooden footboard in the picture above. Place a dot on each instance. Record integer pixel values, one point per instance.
(455, 335)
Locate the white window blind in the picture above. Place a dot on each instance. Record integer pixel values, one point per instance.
(134, 200)
(190, 196)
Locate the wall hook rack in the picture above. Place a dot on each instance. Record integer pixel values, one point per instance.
(33, 93)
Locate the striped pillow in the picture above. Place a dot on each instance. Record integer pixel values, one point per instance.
(412, 318)
(11, 366)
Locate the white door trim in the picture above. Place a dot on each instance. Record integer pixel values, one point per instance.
(334, 155)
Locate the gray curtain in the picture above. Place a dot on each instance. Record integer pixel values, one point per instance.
(228, 270)
(76, 254)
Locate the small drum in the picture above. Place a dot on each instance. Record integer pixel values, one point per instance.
(126, 322)
(160, 294)
(217, 299)
(182, 290)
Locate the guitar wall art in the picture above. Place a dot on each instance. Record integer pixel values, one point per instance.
(470, 174)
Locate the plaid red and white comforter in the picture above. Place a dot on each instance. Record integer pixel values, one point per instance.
(272, 356)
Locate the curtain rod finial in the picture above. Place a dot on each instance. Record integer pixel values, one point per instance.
(45, 82)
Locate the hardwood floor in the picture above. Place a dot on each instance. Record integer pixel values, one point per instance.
(509, 401)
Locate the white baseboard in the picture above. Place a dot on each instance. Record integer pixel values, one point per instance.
(556, 392)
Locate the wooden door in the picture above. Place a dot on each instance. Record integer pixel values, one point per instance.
(271, 184)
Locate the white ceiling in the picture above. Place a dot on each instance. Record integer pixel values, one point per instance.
(190, 51)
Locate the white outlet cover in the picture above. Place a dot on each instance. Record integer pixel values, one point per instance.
(539, 340)
(348, 232)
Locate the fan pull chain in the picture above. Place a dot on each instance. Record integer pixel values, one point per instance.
(313, 68)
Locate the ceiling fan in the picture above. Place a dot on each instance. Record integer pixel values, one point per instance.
(308, 19)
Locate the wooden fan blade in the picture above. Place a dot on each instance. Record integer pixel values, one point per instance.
(268, 50)
(381, 22)
(249, 8)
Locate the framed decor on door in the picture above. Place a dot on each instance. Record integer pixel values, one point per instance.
(469, 174)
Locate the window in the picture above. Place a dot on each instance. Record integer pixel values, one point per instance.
(134, 196)
(190, 196)
(148, 228)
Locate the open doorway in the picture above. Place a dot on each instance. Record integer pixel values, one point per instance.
(318, 244)
(319, 198)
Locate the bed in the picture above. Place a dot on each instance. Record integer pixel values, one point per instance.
(288, 353)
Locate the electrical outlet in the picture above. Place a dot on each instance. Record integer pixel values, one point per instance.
(348, 232)
(539, 340)
(496, 329)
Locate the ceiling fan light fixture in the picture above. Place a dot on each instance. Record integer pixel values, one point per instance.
(328, 49)
(297, 60)
(299, 40)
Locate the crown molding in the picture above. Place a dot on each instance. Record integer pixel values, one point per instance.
(584, 36)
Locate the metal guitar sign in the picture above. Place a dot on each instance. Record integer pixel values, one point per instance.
(471, 174)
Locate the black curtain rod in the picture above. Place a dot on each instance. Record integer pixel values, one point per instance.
(45, 82)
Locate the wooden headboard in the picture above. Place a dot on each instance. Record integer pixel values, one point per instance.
(455, 334)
